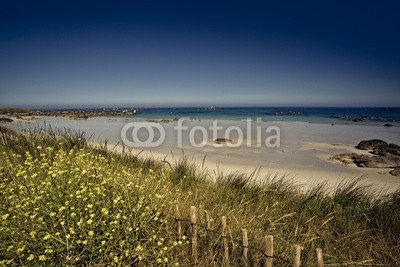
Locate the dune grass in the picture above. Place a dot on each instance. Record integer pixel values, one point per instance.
(66, 202)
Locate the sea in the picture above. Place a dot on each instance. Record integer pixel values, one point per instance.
(355, 116)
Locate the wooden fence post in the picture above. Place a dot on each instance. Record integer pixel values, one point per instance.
(225, 241)
(193, 222)
(268, 250)
(320, 258)
(297, 256)
(208, 229)
(245, 244)
(178, 221)
(208, 222)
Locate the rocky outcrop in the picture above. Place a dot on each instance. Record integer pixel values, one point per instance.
(367, 161)
(382, 155)
(376, 161)
(370, 144)
(288, 113)
(385, 150)
(72, 113)
(370, 118)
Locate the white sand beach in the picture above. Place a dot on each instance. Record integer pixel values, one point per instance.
(304, 155)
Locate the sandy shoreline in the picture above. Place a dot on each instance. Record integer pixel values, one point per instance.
(303, 156)
(304, 178)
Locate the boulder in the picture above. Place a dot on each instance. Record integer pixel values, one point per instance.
(370, 144)
(395, 171)
(367, 161)
(385, 150)
(222, 141)
(376, 161)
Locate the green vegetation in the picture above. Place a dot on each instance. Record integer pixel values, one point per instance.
(65, 202)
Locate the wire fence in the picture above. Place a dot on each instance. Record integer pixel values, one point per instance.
(223, 250)
(267, 251)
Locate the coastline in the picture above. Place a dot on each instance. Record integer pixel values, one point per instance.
(304, 155)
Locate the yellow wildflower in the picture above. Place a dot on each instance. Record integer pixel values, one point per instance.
(104, 211)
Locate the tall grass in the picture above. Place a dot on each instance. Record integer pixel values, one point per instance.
(64, 201)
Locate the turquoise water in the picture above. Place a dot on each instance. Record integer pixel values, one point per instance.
(368, 116)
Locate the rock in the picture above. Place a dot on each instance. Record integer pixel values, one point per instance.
(367, 161)
(376, 161)
(287, 113)
(386, 155)
(222, 141)
(343, 117)
(395, 171)
(358, 119)
(388, 125)
(212, 108)
(346, 158)
(370, 144)
(385, 150)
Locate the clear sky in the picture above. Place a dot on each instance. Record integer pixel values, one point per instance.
(199, 53)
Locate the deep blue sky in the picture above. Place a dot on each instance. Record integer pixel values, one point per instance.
(198, 53)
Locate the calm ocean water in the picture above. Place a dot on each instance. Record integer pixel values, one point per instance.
(363, 116)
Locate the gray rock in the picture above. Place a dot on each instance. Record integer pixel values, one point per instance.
(370, 144)
(367, 161)
(222, 141)
(376, 161)
(346, 158)
(395, 171)
(385, 150)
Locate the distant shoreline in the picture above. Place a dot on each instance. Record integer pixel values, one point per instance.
(353, 116)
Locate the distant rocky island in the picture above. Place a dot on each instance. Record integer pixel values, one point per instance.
(7, 114)
(287, 113)
(212, 108)
(370, 118)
